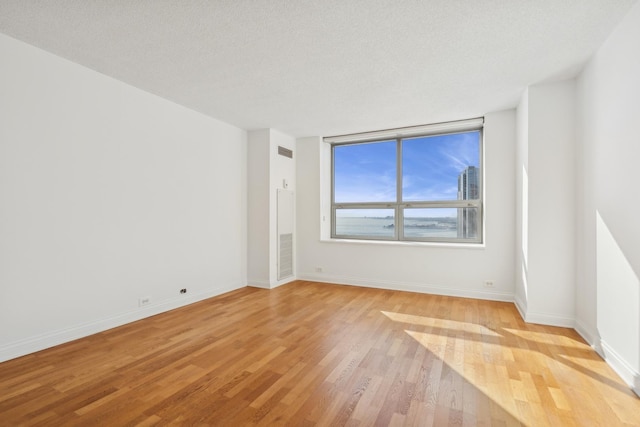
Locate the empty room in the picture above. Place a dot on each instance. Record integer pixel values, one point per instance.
(328, 213)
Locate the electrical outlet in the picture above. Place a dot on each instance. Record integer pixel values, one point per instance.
(318, 269)
(488, 283)
(144, 301)
(183, 290)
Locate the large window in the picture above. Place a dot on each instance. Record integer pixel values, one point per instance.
(422, 184)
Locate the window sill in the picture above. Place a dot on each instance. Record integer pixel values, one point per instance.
(444, 245)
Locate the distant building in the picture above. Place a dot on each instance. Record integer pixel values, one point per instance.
(468, 190)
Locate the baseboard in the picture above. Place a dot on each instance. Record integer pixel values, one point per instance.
(521, 306)
(410, 287)
(270, 285)
(283, 281)
(622, 368)
(542, 318)
(259, 284)
(549, 319)
(528, 316)
(40, 342)
(610, 356)
(590, 336)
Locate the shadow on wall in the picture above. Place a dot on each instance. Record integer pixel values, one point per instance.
(618, 302)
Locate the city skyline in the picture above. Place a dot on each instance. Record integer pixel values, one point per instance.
(468, 189)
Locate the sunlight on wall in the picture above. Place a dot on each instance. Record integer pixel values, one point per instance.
(618, 302)
(525, 232)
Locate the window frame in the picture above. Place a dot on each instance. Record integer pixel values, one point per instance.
(399, 206)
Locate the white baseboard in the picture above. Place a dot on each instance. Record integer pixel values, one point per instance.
(259, 284)
(411, 287)
(283, 282)
(530, 317)
(270, 285)
(549, 319)
(590, 336)
(540, 318)
(30, 345)
(521, 306)
(622, 368)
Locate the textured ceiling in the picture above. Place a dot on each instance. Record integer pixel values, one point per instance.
(323, 67)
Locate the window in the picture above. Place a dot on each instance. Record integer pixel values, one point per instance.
(417, 184)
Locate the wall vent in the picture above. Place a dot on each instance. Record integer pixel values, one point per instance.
(285, 234)
(285, 152)
(286, 256)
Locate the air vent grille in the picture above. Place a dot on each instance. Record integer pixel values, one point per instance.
(285, 152)
(286, 256)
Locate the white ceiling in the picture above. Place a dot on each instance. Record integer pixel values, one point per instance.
(323, 67)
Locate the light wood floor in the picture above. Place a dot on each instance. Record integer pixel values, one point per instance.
(311, 354)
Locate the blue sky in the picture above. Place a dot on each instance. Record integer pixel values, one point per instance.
(431, 165)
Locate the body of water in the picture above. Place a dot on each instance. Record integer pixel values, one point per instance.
(384, 227)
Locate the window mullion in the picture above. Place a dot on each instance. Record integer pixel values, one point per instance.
(333, 191)
(399, 214)
(430, 211)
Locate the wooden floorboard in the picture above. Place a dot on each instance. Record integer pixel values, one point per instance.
(315, 354)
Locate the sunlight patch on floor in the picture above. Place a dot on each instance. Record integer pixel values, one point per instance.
(547, 338)
(477, 374)
(440, 323)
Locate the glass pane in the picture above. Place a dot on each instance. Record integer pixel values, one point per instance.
(442, 167)
(365, 172)
(452, 223)
(365, 222)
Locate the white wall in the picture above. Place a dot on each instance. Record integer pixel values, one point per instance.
(259, 212)
(522, 204)
(545, 281)
(267, 172)
(282, 168)
(608, 258)
(439, 269)
(109, 194)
